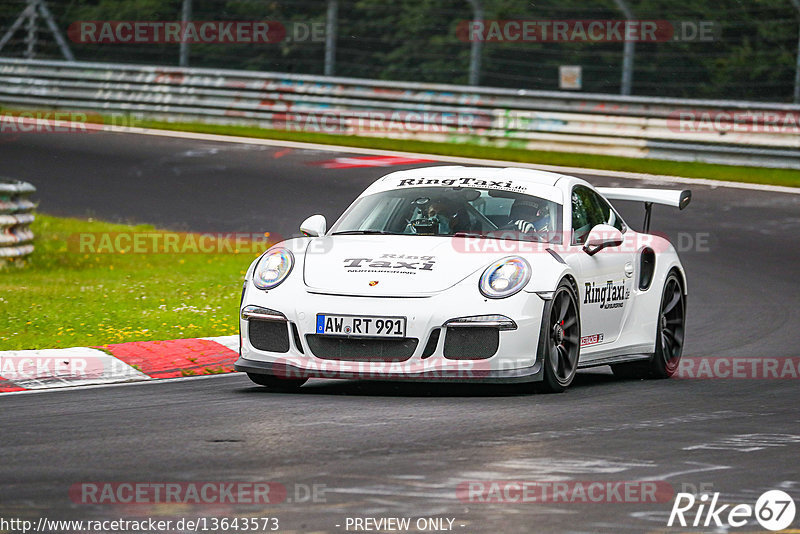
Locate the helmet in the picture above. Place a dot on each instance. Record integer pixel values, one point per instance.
(439, 207)
(524, 209)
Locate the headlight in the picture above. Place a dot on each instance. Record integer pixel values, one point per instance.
(505, 277)
(273, 268)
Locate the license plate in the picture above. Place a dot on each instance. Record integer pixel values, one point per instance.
(360, 325)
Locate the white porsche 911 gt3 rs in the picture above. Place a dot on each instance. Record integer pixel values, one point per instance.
(471, 275)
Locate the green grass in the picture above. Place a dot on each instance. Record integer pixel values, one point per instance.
(756, 175)
(63, 298)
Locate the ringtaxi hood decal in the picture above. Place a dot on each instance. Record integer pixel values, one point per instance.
(402, 265)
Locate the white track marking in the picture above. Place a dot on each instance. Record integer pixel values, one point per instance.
(702, 468)
(124, 384)
(44, 369)
(230, 342)
(747, 442)
(453, 159)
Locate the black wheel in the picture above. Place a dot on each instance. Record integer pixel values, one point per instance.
(669, 336)
(671, 328)
(277, 383)
(560, 343)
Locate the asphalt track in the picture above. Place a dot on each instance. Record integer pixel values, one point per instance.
(401, 450)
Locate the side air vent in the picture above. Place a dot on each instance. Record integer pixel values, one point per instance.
(296, 336)
(430, 347)
(647, 267)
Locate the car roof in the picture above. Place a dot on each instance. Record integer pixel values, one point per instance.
(527, 181)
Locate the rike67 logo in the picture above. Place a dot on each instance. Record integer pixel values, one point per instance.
(774, 510)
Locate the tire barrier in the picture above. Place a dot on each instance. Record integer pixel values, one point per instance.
(16, 215)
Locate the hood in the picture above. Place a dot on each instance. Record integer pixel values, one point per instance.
(387, 266)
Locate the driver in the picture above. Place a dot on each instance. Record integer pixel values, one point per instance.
(440, 216)
(443, 212)
(527, 216)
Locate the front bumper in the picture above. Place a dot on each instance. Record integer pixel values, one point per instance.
(515, 359)
(461, 376)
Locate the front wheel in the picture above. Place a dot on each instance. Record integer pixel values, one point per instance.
(560, 340)
(276, 383)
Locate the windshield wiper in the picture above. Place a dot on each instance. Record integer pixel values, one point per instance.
(529, 237)
(364, 232)
(470, 234)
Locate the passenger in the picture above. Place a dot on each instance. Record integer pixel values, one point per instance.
(527, 216)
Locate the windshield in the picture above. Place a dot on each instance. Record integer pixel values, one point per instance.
(454, 211)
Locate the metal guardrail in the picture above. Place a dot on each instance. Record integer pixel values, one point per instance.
(16, 237)
(642, 127)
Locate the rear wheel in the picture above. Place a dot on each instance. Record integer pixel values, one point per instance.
(669, 336)
(560, 343)
(671, 329)
(275, 383)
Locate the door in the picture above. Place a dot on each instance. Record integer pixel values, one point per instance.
(606, 278)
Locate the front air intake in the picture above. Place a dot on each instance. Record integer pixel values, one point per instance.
(361, 349)
(269, 336)
(471, 343)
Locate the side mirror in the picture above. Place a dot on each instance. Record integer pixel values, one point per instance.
(314, 226)
(602, 236)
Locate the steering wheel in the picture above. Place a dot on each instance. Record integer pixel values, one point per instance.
(429, 224)
(534, 232)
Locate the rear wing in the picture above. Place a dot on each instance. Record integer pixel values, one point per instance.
(669, 197)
